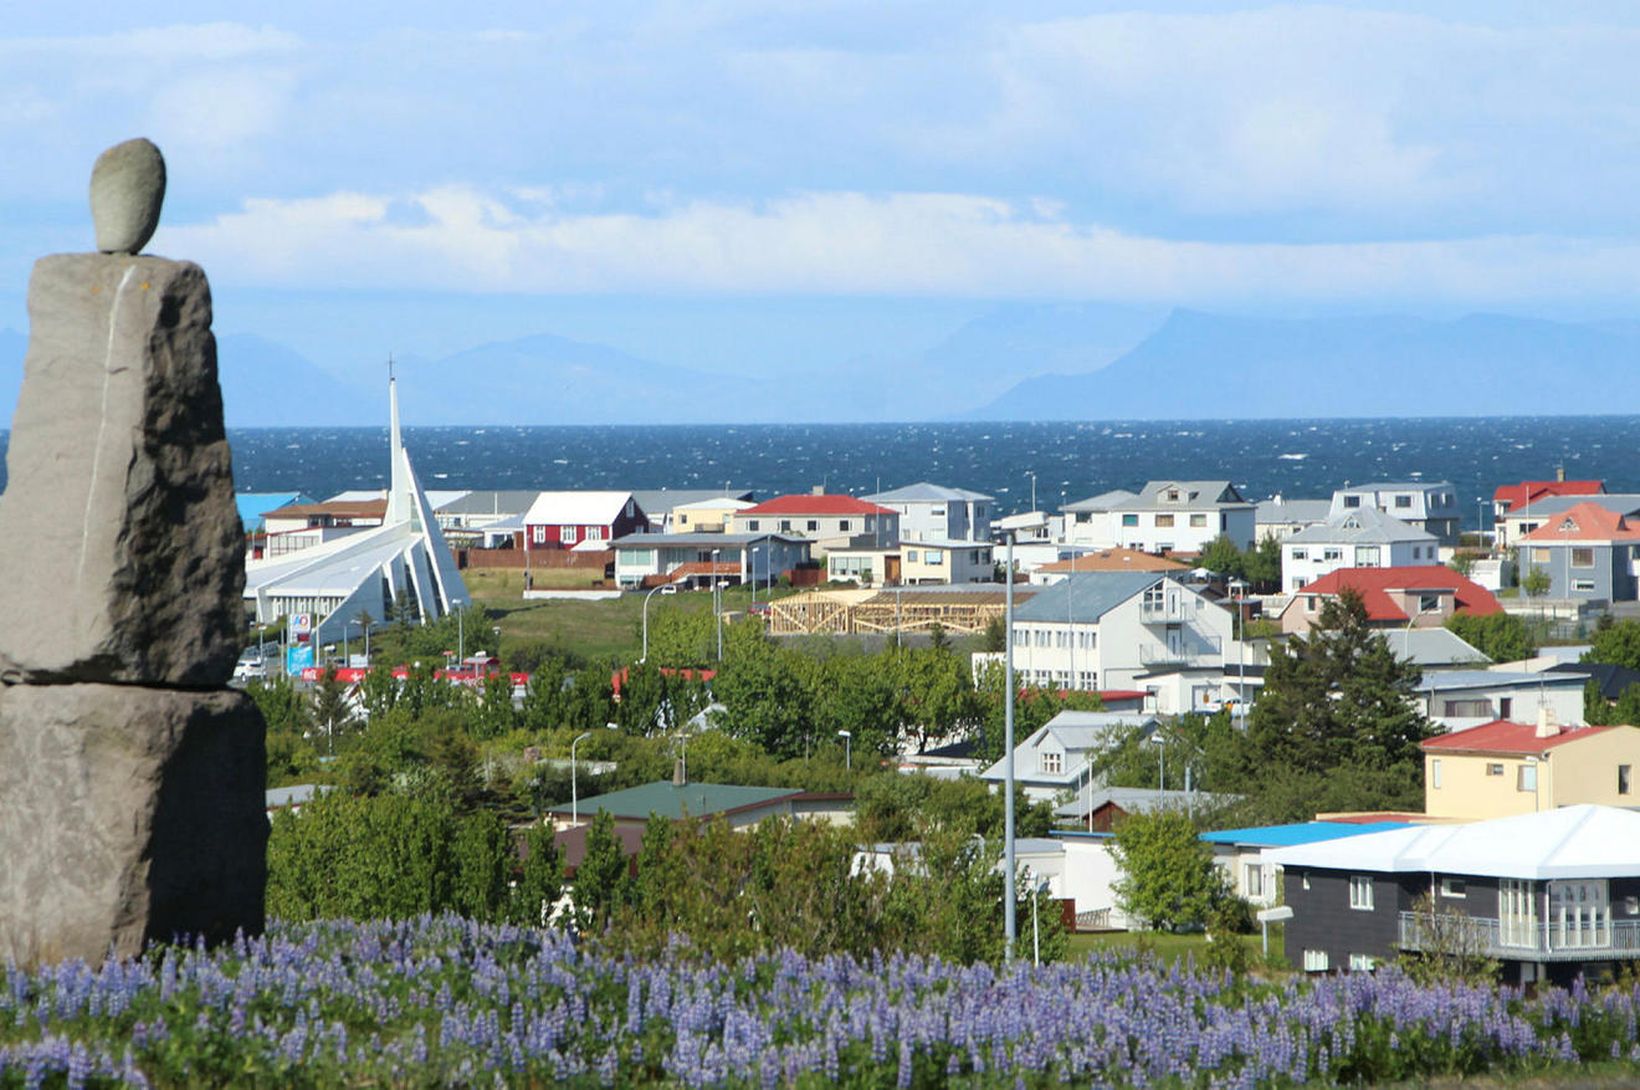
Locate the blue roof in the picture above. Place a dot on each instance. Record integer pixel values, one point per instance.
(1089, 596)
(254, 505)
(1303, 832)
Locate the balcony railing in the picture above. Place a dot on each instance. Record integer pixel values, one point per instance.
(1193, 651)
(1591, 939)
(1169, 611)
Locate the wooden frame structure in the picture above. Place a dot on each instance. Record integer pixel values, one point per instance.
(849, 612)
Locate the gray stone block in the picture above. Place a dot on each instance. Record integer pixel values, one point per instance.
(127, 190)
(129, 814)
(119, 539)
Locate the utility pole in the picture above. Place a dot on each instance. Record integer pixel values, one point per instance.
(1009, 894)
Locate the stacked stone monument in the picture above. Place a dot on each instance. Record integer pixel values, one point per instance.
(131, 776)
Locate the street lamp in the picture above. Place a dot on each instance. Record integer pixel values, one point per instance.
(1161, 760)
(1009, 896)
(645, 656)
(574, 792)
(848, 749)
(1039, 888)
(717, 602)
(1238, 587)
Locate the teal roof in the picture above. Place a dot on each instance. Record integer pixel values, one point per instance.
(254, 505)
(1091, 595)
(1304, 832)
(664, 798)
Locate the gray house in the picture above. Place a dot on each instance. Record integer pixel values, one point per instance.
(1548, 894)
(1428, 505)
(931, 512)
(1588, 552)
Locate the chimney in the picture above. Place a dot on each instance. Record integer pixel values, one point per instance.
(818, 490)
(677, 772)
(1560, 473)
(1546, 725)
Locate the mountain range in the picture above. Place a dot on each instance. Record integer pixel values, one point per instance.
(1017, 362)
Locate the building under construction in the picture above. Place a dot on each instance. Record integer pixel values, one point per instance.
(965, 608)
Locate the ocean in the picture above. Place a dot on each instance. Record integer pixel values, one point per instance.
(1070, 461)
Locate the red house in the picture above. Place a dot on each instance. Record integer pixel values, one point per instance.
(563, 520)
(1423, 596)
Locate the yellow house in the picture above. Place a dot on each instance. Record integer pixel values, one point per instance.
(706, 516)
(1505, 768)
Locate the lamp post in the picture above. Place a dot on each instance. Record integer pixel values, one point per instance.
(574, 791)
(1009, 895)
(645, 656)
(1161, 760)
(1239, 588)
(1480, 520)
(848, 749)
(1070, 622)
(717, 603)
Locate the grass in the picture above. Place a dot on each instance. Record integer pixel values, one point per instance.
(1168, 947)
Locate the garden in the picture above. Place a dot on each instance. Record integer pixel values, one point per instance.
(441, 1001)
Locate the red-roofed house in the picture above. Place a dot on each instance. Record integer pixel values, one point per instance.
(1512, 503)
(1590, 552)
(1426, 596)
(1503, 768)
(828, 520)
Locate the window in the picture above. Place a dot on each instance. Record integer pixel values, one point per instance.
(1455, 888)
(1252, 880)
(813, 525)
(1435, 773)
(1403, 501)
(1130, 520)
(1623, 779)
(1582, 558)
(566, 535)
(631, 509)
(1306, 882)
(1053, 763)
(1429, 603)
(786, 525)
(1366, 556)
(1332, 554)
(540, 534)
(1315, 961)
(1526, 778)
(1361, 892)
(1495, 769)
(1172, 495)
(1352, 501)
(1224, 521)
(911, 556)
(1361, 963)
(1164, 521)
(751, 524)
(1199, 521)
(842, 526)
(1469, 709)
(1583, 586)
(1301, 554)
(1506, 707)
(1540, 555)
(934, 557)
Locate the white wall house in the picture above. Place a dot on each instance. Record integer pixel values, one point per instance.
(931, 512)
(1114, 630)
(1460, 699)
(830, 521)
(1279, 517)
(741, 558)
(929, 562)
(1426, 505)
(1094, 522)
(1055, 759)
(1031, 527)
(1363, 537)
(1183, 516)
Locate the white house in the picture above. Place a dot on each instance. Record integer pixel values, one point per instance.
(1280, 517)
(1056, 758)
(830, 521)
(1182, 516)
(1094, 522)
(697, 558)
(1426, 505)
(1029, 528)
(931, 512)
(1459, 699)
(1362, 537)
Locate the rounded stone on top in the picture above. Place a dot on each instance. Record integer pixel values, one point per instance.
(127, 189)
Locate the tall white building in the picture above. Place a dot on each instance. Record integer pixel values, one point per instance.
(1364, 537)
(931, 512)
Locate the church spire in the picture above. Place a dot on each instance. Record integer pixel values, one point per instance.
(400, 503)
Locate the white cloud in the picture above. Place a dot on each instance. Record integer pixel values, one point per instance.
(460, 238)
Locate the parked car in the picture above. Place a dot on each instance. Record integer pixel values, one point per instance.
(250, 669)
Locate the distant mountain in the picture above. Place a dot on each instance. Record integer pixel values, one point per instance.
(1209, 366)
(265, 384)
(546, 379)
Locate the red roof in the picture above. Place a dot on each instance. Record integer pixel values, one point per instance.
(1586, 522)
(800, 503)
(1374, 585)
(1504, 737)
(1517, 495)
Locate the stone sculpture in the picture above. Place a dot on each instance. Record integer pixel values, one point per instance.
(131, 776)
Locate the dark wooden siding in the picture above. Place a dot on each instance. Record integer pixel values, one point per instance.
(1323, 919)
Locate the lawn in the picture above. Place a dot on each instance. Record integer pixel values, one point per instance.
(1169, 948)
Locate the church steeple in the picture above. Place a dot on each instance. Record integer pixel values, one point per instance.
(400, 486)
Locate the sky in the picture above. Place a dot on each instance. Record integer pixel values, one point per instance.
(739, 184)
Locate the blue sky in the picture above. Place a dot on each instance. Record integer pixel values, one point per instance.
(736, 182)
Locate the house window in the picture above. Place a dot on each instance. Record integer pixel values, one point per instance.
(1199, 521)
(1301, 554)
(1540, 555)
(1361, 892)
(786, 525)
(751, 524)
(1172, 495)
(911, 556)
(1495, 768)
(1470, 709)
(1252, 880)
(1305, 881)
(1429, 603)
(934, 557)
(1361, 963)
(1352, 501)
(1332, 554)
(1455, 888)
(1164, 521)
(1506, 705)
(1403, 501)
(1623, 779)
(1315, 961)
(842, 526)
(539, 533)
(813, 525)
(1583, 586)
(595, 533)
(1582, 558)
(1366, 556)
(1526, 778)
(1053, 763)
(938, 512)
(1130, 520)
(566, 535)
(1435, 773)
(1224, 521)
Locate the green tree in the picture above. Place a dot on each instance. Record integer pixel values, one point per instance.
(332, 711)
(1262, 566)
(681, 638)
(494, 715)
(546, 701)
(482, 858)
(764, 698)
(282, 707)
(642, 693)
(935, 694)
(1221, 557)
(1616, 644)
(379, 692)
(1501, 637)
(1168, 879)
(361, 857)
(995, 639)
(1536, 582)
(600, 882)
(541, 879)
(589, 701)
